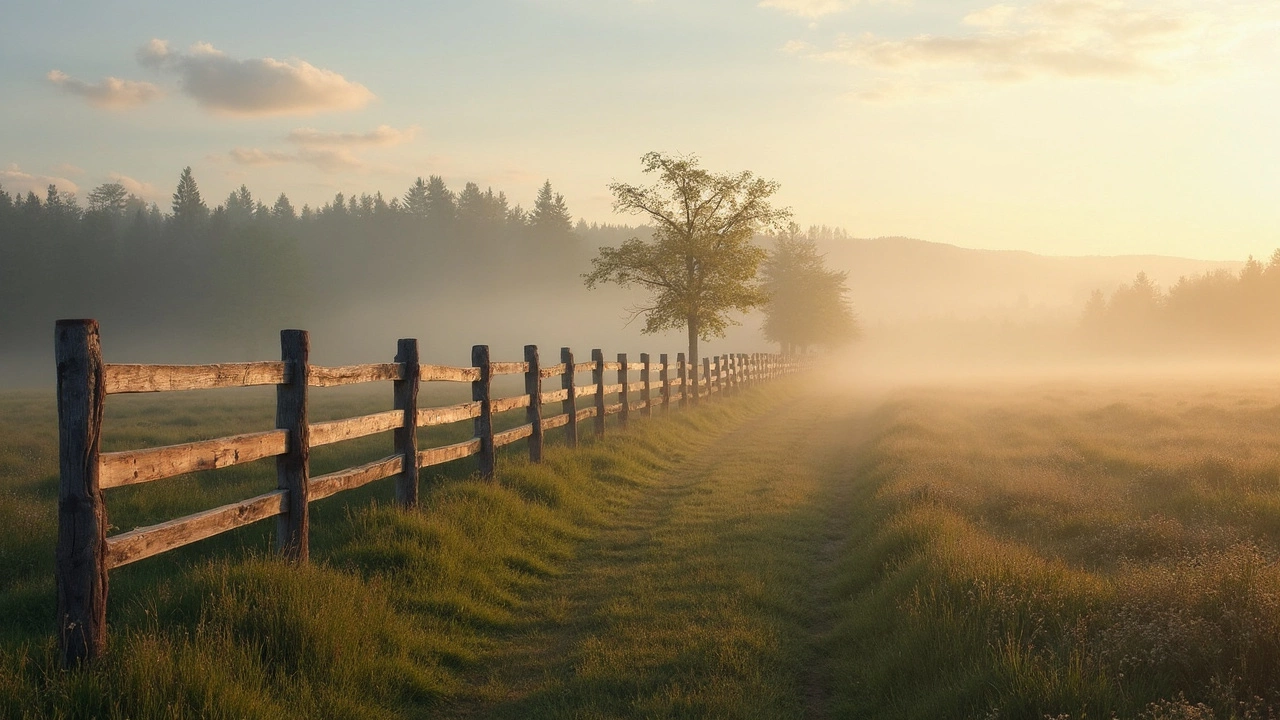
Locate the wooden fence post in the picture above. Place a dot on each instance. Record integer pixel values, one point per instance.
(664, 377)
(293, 467)
(624, 379)
(482, 392)
(717, 368)
(706, 374)
(682, 368)
(570, 404)
(533, 386)
(597, 375)
(647, 393)
(406, 436)
(81, 570)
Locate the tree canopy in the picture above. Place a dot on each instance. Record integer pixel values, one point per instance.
(700, 264)
(808, 304)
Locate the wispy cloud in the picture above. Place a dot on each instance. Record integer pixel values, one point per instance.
(1084, 39)
(256, 86)
(112, 93)
(17, 181)
(329, 160)
(144, 190)
(381, 136)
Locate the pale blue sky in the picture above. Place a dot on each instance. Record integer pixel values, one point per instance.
(1057, 126)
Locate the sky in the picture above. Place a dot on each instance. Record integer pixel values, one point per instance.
(1065, 127)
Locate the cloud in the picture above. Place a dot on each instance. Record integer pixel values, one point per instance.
(112, 93)
(69, 170)
(144, 190)
(330, 160)
(257, 86)
(381, 136)
(1085, 39)
(17, 182)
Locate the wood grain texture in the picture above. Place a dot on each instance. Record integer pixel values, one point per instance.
(448, 373)
(139, 466)
(585, 413)
(502, 405)
(613, 409)
(351, 478)
(507, 368)
(612, 389)
(446, 453)
(506, 437)
(80, 569)
(164, 378)
(482, 392)
(584, 367)
(612, 366)
(155, 539)
(550, 372)
(555, 421)
(448, 414)
(554, 396)
(293, 466)
(405, 440)
(584, 390)
(533, 401)
(353, 374)
(327, 433)
(569, 406)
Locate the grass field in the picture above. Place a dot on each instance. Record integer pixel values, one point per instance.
(1036, 550)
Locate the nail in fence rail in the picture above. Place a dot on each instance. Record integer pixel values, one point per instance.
(86, 555)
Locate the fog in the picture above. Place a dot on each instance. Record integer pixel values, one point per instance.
(459, 269)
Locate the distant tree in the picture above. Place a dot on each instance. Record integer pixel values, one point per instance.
(441, 209)
(109, 198)
(188, 206)
(283, 209)
(550, 218)
(808, 304)
(700, 264)
(415, 199)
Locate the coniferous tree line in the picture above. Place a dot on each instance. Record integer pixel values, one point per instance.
(226, 275)
(1214, 313)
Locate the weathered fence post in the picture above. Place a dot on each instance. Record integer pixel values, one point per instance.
(664, 377)
(533, 386)
(706, 374)
(683, 370)
(293, 467)
(406, 436)
(732, 359)
(647, 393)
(716, 368)
(570, 405)
(81, 571)
(597, 375)
(624, 379)
(481, 392)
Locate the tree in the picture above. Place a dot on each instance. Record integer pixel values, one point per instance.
(188, 206)
(109, 198)
(808, 303)
(700, 264)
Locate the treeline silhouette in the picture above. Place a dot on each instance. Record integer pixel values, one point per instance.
(1213, 313)
(221, 280)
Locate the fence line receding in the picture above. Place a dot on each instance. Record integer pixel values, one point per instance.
(86, 555)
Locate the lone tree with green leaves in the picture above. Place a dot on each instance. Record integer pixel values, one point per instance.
(808, 303)
(700, 264)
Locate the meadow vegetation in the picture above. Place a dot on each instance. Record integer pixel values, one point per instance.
(1042, 550)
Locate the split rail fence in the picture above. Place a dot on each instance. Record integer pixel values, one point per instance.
(86, 555)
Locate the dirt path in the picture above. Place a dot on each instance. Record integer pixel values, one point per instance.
(703, 598)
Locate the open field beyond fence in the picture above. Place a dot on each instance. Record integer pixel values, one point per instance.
(1085, 549)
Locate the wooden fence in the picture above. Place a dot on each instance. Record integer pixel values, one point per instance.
(85, 555)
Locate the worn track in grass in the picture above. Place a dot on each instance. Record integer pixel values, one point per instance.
(704, 596)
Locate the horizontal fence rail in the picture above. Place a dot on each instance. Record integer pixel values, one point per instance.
(85, 553)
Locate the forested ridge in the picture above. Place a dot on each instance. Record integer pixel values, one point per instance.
(206, 280)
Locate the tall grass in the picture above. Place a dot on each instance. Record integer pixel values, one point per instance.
(1064, 552)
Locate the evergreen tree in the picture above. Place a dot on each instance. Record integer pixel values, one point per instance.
(188, 207)
(808, 303)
